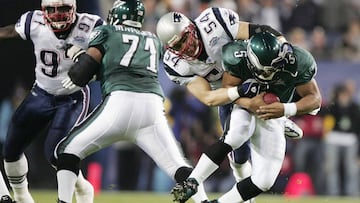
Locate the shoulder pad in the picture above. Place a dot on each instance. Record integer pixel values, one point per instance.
(305, 62)
(234, 52)
(100, 33)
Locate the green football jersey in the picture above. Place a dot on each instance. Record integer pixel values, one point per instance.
(130, 59)
(235, 61)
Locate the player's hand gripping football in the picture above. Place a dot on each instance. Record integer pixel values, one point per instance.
(252, 104)
(273, 108)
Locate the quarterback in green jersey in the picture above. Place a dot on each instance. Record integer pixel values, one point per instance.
(266, 65)
(125, 60)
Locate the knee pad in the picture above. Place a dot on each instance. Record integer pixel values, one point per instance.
(68, 162)
(218, 152)
(248, 189)
(182, 174)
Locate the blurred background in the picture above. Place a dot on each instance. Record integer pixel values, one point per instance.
(325, 164)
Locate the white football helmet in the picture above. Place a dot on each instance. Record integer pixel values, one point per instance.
(60, 14)
(178, 33)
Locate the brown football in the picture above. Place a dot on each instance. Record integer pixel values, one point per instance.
(270, 98)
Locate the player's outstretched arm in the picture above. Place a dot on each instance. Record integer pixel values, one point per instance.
(200, 88)
(8, 32)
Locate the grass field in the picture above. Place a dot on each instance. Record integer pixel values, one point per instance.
(44, 196)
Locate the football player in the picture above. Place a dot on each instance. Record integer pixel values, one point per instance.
(281, 69)
(49, 105)
(193, 59)
(125, 60)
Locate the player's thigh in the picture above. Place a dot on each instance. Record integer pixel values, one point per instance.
(103, 127)
(68, 113)
(268, 146)
(28, 121)
(240, 128)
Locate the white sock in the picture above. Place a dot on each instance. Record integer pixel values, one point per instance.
(204, 168)
(232, 196)
(240, 171)
(81, 182)
(16, 173)
(66, 185)
(84, 190)
(3, 187)
(200, 195)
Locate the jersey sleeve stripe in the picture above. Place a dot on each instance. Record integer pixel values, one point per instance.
(28, 24)
(218, 17)
(174, 73)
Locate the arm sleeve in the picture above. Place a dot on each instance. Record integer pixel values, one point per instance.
(83, 70)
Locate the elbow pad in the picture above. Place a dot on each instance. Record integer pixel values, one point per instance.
(256, 28)
(83, 70)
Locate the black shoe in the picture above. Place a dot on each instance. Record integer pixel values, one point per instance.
(6, 199)
(59, 201)
(183, 191)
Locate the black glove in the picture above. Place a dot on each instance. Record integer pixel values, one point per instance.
(249, 88)
(286, 56)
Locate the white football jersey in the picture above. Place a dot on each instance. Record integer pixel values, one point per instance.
(51, 63)
(217, 27)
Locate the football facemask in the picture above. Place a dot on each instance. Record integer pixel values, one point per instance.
(187, 45)
(179, 35)
(59, 14)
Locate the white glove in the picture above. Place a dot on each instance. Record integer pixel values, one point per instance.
(68, 84)
(73, 52)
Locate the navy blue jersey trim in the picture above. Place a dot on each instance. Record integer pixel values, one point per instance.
(222, 22)
(170, 71)
(28, 24)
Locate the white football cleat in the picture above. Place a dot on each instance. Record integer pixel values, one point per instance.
(292, 130)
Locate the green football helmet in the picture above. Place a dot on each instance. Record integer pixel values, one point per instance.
(262, 51)
(127, 12)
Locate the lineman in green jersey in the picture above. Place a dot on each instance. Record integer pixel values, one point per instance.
(125, 60)
(266, 65)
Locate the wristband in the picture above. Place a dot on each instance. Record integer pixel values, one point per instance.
(290, 109)
(232, 93)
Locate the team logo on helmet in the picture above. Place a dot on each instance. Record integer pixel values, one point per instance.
(177, 17)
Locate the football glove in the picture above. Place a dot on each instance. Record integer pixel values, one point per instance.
(249, 88)
(68, 84)
(286, 56)
(73, 51)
